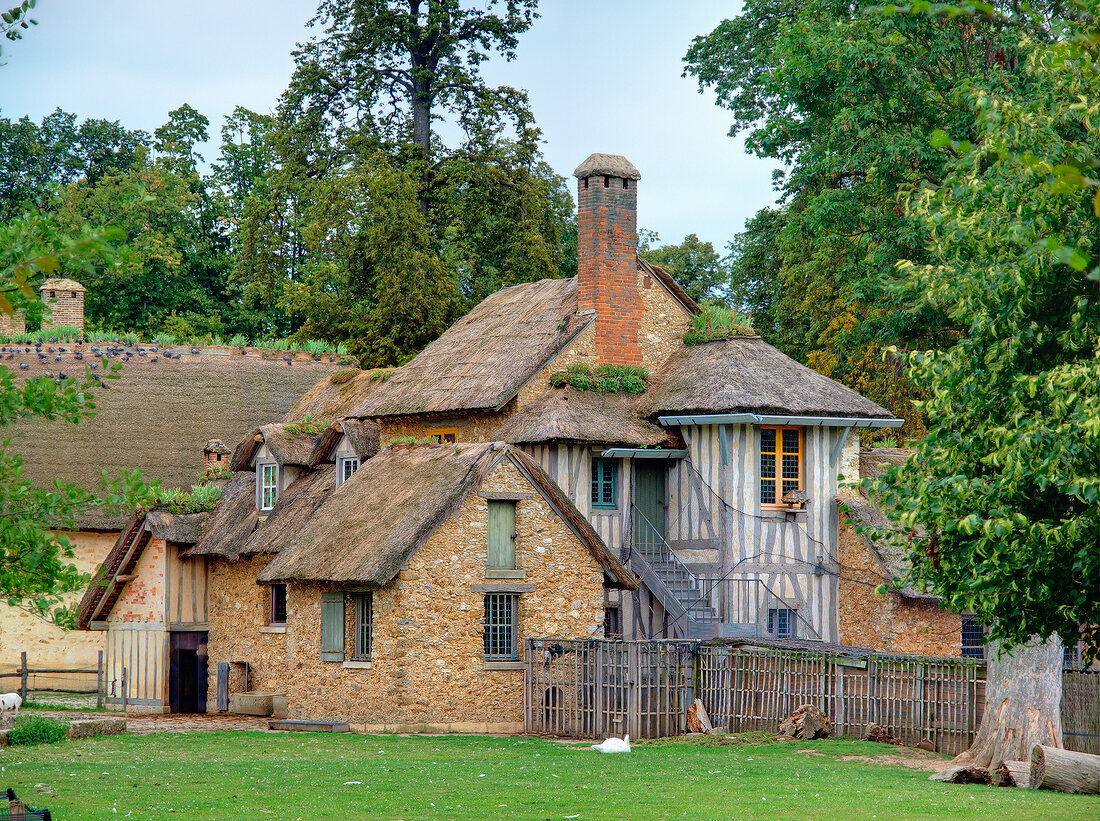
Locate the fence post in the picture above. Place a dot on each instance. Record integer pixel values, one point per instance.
(738, 682)
(23, 675)
(125, 691)
(633, 677)
(99, 682)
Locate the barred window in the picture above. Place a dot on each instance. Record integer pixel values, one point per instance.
(972, 634)
(278, 604)
(501, 633)
(361, 638)
(780, 463)
(781, 622)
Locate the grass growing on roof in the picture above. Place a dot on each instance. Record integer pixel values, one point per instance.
(718, 322)
(203, 775)
(607, 378)
(201, 498)
(307, 425)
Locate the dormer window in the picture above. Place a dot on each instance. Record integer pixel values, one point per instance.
(348, 465)
(269, 485)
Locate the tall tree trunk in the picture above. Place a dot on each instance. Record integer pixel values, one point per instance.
(422, 131)
(1023, 707)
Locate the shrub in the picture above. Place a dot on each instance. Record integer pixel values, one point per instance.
(37, 730)
(165, 340)
(201, 498)
(215, 472)
(238, 341)
(718, 322)
(608, 378)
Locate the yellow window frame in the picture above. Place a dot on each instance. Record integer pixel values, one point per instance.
(443, 435)
(778, 452)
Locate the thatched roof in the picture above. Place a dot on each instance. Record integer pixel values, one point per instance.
(892, 559)
(62, 284)
(613, 165)
(364, 436)
(229, 527)
(389, 508)
(481, 361)
(336, 395)
(292, 512)
(157, 416)
(747, 375)
(569, 415)
(182, 528)
(287, 448)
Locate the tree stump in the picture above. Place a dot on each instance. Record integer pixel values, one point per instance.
(879, 734)
(806, 722)
(698, 721)
(1064, 770)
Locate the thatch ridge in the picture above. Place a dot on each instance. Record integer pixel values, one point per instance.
(483, 359)
(157, 416)
(569, 415)
(292, 512)
(227, 530)
(369, 527)
(747, 375)
(330, 399)
(181, 528)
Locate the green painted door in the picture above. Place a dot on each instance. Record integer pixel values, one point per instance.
(502, 535)
(649, 506)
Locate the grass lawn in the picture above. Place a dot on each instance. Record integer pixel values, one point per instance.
(235, 775)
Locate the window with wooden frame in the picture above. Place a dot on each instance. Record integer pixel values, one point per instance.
(501, 530)
(269, 485)
(362, 608)
(603, 484)
(277, 613)
(501, 625)
(443, 435)
(780, 464)
(348, 466)
(781, 621)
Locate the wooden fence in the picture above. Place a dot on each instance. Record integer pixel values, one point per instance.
(595, 688)
(31, 681)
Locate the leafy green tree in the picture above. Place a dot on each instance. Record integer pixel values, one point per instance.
(1001, 500)
(694, 263)
(847, 101)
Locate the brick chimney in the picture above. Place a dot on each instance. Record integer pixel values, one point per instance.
(215, 454)
(65, 299)
(607, 228)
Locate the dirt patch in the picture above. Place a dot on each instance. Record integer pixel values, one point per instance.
(930, 765)
(807, 751)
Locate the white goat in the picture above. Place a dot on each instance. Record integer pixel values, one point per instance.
(10, 702)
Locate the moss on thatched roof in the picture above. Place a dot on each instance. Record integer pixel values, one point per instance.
(569, 415)
(229, 527)
(747, 375)
(481, 361)
(287, 448)
(337, 395)
(157, 416)
(388, 509)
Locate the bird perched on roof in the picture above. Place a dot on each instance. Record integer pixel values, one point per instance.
(154, 359)
(194, 350)
(22, 366)
(62, 375)
(287, 360)
(243, 352)
(613, 745)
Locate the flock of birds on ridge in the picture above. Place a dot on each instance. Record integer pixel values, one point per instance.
(48, 350)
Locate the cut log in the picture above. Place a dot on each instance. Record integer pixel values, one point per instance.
(963, 775)
(1022, 708)
(698, 720)
(1013, 774)
(879, 734)
(1053, 768)
(806, 722)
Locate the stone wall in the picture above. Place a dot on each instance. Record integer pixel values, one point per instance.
(427, 670)
(66, 308)
(887, 622)
(664, 322)
(481, 427)
(46, 644)
(240, 610)
(581, 350)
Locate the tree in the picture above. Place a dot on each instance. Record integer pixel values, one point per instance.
(693, 263)
(847, 100)
(1001, 500)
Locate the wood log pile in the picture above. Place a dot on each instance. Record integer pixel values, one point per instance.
(806, 722)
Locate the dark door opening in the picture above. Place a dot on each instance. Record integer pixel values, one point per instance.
(187, 672)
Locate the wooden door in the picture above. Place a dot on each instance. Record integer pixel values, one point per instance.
(649, 507)
(187, 675)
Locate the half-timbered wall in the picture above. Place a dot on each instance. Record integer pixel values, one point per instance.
(765, 558)
(185, 587)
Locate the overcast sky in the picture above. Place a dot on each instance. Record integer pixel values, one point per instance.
(603, 75)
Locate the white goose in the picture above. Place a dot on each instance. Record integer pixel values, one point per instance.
(613, 745)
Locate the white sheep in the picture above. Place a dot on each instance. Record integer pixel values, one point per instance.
(10, 702)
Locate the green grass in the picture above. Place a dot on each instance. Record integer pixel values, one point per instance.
(230, 775)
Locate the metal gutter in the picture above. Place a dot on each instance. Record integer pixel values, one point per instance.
(771, 419)
(645, 453)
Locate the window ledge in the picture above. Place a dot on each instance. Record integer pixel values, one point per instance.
(502, 573)
(503, 664)
(782, 512)
(356, 665)
(273, 628)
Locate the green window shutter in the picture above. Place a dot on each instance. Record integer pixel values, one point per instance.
(502, 535)
(332, 627)
(603, 484)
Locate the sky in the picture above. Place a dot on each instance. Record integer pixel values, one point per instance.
(602, 75)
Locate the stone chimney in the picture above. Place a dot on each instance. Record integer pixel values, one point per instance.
(607, 229)
(65, 299)
(215, 454)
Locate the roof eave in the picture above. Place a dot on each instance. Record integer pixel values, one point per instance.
(775, 419)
